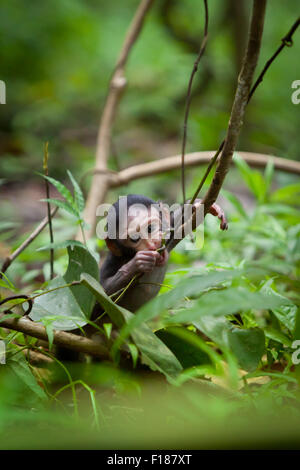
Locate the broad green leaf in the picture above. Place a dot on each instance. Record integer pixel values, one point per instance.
(252, 178)
(63, 205)
(248, 346)
(134, 353)
(228, 301)
(277, 335)
(76, 301)
(189, 348)
(79, 198)
(190, 286)
(286, 313)
(214, 328)
(154, 352)
(60, 188)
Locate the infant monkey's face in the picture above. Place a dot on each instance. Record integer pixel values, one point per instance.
(144, 229)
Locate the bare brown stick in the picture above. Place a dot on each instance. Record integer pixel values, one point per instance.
(163, 165)
(7, 262)
(240, 102)
(46, 172)
(188, 98)
(117, 85)
(61, 338)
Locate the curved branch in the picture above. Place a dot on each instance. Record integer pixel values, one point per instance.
(156, 167)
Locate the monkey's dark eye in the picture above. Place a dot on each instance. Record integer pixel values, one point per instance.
(151, 228)
(134, 238)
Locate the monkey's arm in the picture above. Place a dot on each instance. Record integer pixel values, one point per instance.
(142, 262)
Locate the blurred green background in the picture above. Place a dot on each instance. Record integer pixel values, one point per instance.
(57, 58)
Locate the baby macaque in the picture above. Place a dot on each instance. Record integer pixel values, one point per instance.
(137, 228)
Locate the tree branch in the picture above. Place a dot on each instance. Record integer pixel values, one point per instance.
(240, 102)
(163, 165)
(61, 338)
(117, 84)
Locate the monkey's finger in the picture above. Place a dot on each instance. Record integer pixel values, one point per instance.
(149, 254)
(163, 258)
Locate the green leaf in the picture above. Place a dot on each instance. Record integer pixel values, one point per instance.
(20, 367)
(6, 282)
(79, 198)
(286, 313)
(50, 333)
(75, 301)
(61, 188)
(228, 301)
(289, 194)
(63, 205)
(189, 348)
(134, 353)
(190, 286)
(107, 328)
(236, 203)
(214, 328)
(253, 179)
(268, 174)
(154, 352)
(248, 346)
(277, 335)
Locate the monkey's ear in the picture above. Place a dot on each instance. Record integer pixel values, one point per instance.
(113, 247)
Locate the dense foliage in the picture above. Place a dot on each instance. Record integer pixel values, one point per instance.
(223, 339)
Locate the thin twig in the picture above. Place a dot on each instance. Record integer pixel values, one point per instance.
(117, 84)
(188, 98)
(46, 172)
(286, 41)
(7, 262)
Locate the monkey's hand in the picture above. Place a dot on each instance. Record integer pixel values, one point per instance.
(218, 212)
(145, 261)
(163, 258)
